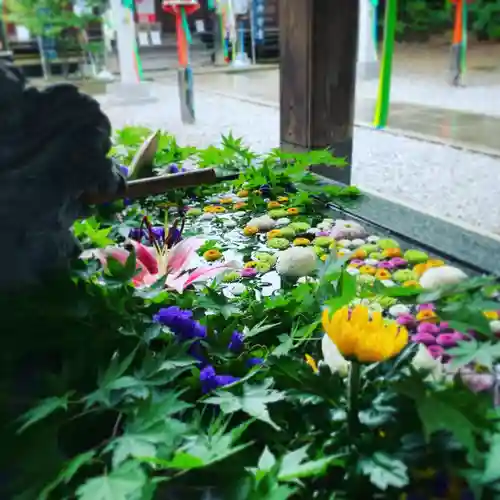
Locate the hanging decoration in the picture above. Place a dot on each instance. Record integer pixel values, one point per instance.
(374, 4)
(459, 42)
(384, 89)
(181, 9)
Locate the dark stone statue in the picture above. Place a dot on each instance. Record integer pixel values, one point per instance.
(53, 151)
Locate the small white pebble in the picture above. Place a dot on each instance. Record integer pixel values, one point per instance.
(207, 216)
(230, 223)
(239, 214)
(495, 326)
(328, 222)
(398, 309)
(372, 239)
(358, 242)
(371, 262)
(344, 243)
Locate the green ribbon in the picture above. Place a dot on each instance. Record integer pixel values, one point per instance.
(185, 26)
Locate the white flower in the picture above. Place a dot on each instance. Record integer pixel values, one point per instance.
(495, 326)
(372, 239)
(344, 243)
(283, 221)
(398, 309)
(264, 223)
(332, 357)
(436, 277)
(236, 288)
(423, 361)
(296, 262)
(358, 242)
(371, 262)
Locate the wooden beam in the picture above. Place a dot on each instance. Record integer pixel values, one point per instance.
(317, 77)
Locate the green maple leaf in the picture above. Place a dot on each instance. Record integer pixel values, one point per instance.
(253, 401)
(384, 471)
(483, 353)
(296, 464)
(131, 445)
(129, 479)
(491, 470)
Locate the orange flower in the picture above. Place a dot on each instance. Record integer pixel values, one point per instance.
(426, 315)
(292, 211)
(212, 254)
(359, 254)
(435, 263)
(250, 230)
(242, 194)
(420, 269)
(383, 274)
(225, 201)
(240, 205)
(282, 199)
(392, 252)
(273, 204)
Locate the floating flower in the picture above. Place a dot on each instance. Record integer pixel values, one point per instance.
(242, 194)
(262, 223)
(367, 339)
(278, 243)
(386, 264)
(250, 230)
(212, 254)
(273, 204)
(360, 253)
(301, 242)
(293, 211)
(312, 363)
(248, 272)
(262, 267)
(231, 276)
(282, 199)
(225, 201)
(250, 263)
(240, 205)
(278, 213)
(287, 232)
(382, 274)
(284, 221)
(296, 262)
(347, 229)
(211, 381)
(237, 342)
(426, 315)
(266, 257)
(274, 233)
(387, 243)
(402, 275)
(416, 256)
(436, 277)
(389, 253)
(368, 270)
(193, 212)
(214, 209)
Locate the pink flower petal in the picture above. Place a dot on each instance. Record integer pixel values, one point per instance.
(182, 253)
(121, 255)
(146, 255)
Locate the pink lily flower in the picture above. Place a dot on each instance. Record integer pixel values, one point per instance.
(154, 263)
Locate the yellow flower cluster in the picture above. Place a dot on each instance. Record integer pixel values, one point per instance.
(366, 339)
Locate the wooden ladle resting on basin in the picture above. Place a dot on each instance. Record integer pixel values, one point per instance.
(141, 183)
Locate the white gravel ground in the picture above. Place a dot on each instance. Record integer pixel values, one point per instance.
(451, 183)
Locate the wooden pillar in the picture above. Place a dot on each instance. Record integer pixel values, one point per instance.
(317, 77)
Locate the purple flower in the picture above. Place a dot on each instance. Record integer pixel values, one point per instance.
(173, 168)
(387, 264)
(124, 170)
(357, 262)
(429, 328)
(158, 232)
(448, 339)
(426, 307)
(211, 381)
(237, 341)
(136, 234)
(181, 323)
(173, 237)
(436, 351)
(255, 362)
(406, 319)
(476, 382)
(424, 338)
(444, 325)
(322, 233)
(398, 262)
(248, 272)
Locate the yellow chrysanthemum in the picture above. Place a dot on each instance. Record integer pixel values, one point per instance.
(242, 194)
(274, 233)
(426, 315)
(369, 340)
(273, 204)
(250, 230)
(212, 254)
(301, 242)
(491, 315)
(282, 199)
(225, 201)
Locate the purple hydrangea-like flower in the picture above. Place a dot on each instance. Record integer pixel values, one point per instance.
(211, 381)
(449, 339)
(436, 351)
(124, 170)
(387, 264)
(248, 272)
(424, 338)
(428, 328)
(181, 322)
(237, 341)
(406, 319)
(398, 262)
(426, 307)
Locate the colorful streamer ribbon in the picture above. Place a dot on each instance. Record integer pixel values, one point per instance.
(463, 55)
(384, 89)
(129, 5)
(374, 4)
